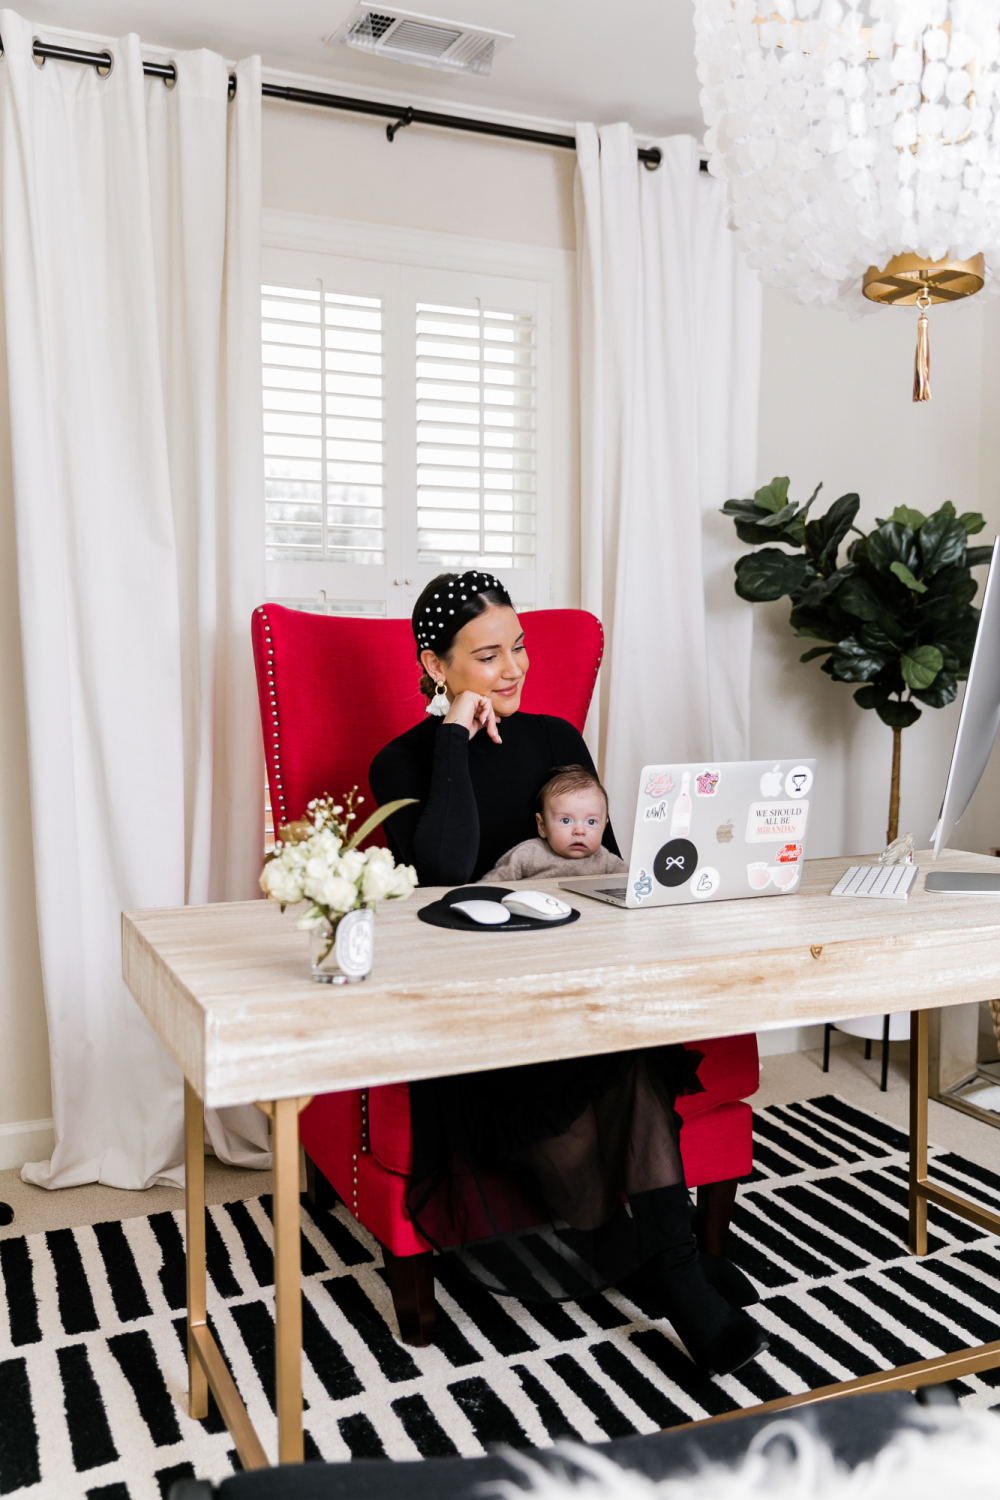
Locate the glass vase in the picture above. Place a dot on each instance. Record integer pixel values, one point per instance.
(342, 948)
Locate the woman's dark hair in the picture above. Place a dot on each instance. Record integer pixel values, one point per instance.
(446, 605)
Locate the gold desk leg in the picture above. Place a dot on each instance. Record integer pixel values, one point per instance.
(287, 1280)
(194, 1207)
(919, 1069)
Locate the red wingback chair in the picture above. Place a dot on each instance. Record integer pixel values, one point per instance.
(323, 723)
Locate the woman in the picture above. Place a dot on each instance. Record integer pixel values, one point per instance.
(587, 1147)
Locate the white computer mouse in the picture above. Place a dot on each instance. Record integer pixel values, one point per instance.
(486, 913)
(536, 904)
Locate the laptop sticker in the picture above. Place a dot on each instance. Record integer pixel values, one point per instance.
(676, 862)
(777, 822)
(771, 783)
(784, 876)
(705, 785)
(798, 782)
(660, 785)
(658, 812)
(642, 885)
(704, 882)
(724, 833)
(789, 855)
(758, 875)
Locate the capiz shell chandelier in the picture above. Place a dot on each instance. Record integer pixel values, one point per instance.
(853, 137)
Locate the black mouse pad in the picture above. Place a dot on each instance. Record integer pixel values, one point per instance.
(440, 914)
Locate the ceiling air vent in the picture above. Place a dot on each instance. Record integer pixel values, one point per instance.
(430, 43)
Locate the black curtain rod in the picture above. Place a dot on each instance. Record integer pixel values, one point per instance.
(650, 156)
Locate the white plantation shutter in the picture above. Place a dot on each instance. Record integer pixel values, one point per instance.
(323, 418)
(475, 402)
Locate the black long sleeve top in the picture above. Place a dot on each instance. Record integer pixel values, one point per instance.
(476, 799)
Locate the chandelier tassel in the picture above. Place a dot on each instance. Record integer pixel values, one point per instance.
(922, 361)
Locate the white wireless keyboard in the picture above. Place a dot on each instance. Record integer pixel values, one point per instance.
(892, 882)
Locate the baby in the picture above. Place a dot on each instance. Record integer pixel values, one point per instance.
(572, 813)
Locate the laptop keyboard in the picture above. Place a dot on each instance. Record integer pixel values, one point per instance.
(617, 892)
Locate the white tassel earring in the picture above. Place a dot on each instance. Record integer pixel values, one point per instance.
(439, 705)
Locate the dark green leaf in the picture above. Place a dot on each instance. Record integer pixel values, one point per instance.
(882, 636)
(768, 574)
(756, 534)
(976, 556)
(973, 522)
(947, 510)
(907, 517)
(824, 535)
(920, 665)
(898, 715)
(893, 543)
(820, 624)
(941, 694)
(816, 651)
(871, 696)
(942, 543)
(949, 592)
(853, 662)
(905, 576)
(773, 496)
(859, 598)
(819, 589)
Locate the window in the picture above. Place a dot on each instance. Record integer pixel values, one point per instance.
(407, 420)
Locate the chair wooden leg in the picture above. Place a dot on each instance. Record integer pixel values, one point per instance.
(885, 1055)
(826, 1046)
(713, 1213)
(321, 1194)
(411, 1283)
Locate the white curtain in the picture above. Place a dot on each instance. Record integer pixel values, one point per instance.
(130, 247)
(669, 378)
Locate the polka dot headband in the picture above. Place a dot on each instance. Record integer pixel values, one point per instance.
(433, 621)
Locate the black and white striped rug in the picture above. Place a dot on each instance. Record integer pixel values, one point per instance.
(92, 1374)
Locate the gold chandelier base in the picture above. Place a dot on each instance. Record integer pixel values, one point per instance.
(909, 281)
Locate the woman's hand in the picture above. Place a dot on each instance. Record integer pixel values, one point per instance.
(474, 712)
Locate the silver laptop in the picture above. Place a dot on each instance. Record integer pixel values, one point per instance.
(712, 832)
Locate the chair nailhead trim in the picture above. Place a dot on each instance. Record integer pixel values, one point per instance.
(275, 747)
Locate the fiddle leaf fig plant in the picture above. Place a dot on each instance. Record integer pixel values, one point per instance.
(894, 616)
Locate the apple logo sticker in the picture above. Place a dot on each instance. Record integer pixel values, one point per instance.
(724, 833)
(771, 783)
(675, 862)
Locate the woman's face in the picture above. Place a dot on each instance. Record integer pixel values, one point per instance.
(488, 657)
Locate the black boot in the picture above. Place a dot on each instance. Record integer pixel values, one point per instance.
(718, 1338)
(728, 1280)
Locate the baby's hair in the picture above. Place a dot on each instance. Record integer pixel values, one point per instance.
(569, 779)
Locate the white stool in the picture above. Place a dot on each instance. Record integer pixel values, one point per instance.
(892, 1028)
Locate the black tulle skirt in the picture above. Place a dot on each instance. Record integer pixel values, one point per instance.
(525, 1174)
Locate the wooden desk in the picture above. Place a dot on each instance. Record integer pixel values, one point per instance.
(227, 989)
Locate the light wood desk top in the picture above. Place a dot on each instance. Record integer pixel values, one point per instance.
(227, 987)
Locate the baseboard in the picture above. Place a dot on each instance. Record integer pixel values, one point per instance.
(25, 1140)
(793, 1039)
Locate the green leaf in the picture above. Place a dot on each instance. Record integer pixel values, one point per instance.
(882, 636)
(950, 592)
(820, 624)
(905, 576)
(860, 599)
(942, 693)
(898, 715)
(893, 543)
(947, 510)
(973, 522)
(920, 666)
(819, 590)
(852, 662)
(816, 651)
(824, 535)
(907, 517)
(976, 556)
(378, 816)
(773, 496)
(942, 543)
(768, 574)
(871, 696)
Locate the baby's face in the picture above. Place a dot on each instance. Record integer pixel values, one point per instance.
(573, 823)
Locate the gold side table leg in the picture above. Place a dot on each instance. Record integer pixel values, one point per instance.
(287, 1280)
(919, 1070)
(194, 1206)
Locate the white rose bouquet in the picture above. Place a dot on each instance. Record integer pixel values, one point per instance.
(317, 860)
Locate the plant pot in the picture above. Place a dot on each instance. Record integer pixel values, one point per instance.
(342, 949)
